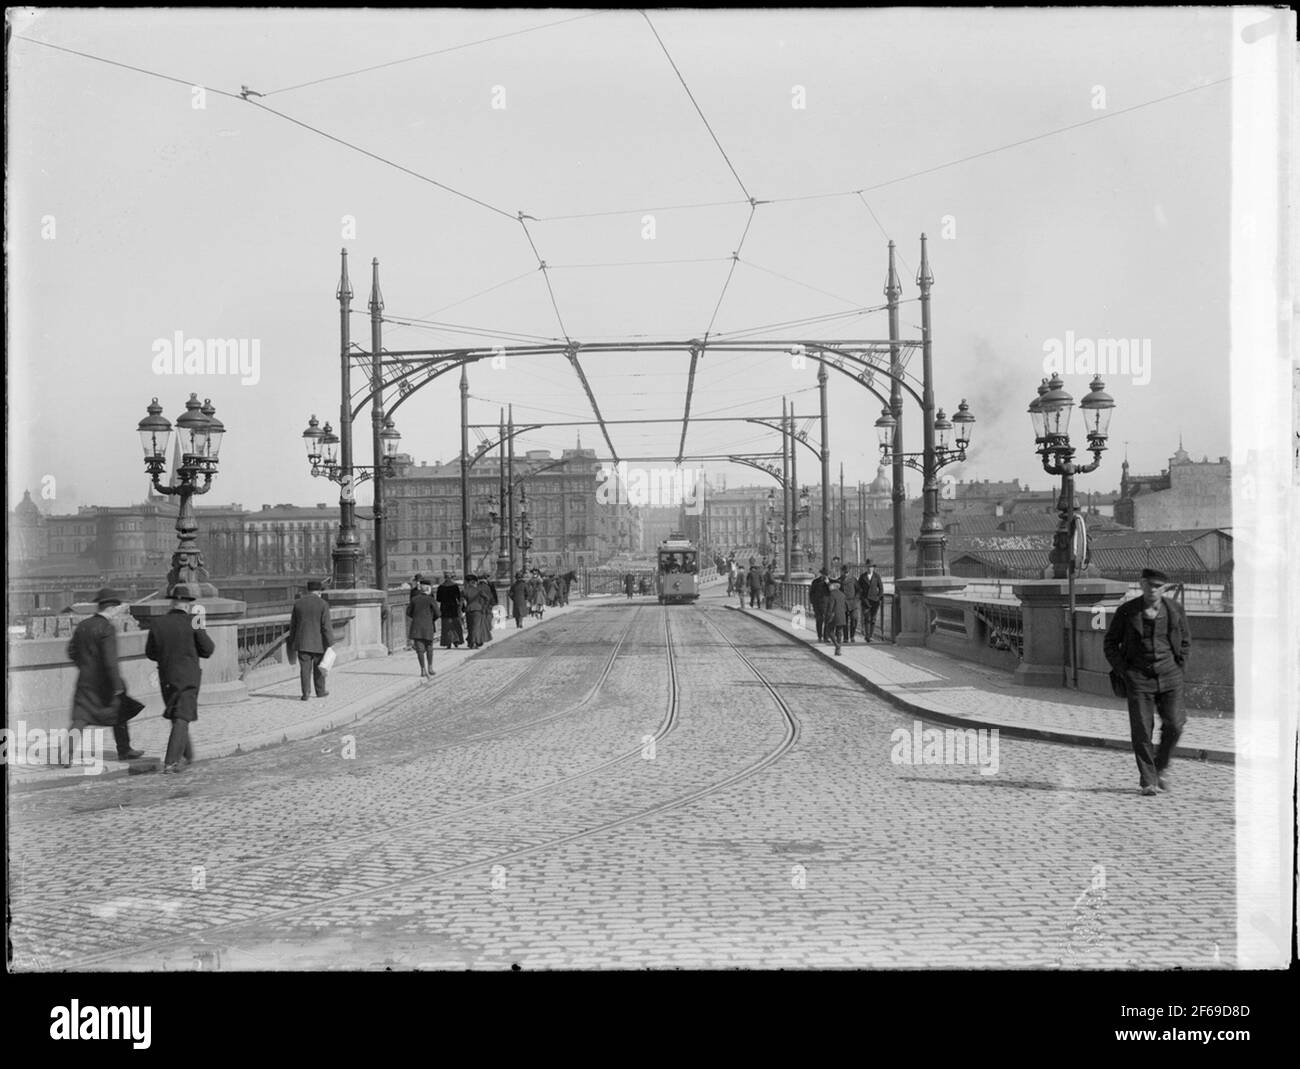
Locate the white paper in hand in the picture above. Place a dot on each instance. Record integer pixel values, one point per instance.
(327, 659)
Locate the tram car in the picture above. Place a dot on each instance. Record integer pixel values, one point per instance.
(677, 574)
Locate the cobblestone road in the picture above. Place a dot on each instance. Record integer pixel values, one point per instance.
(620, 788)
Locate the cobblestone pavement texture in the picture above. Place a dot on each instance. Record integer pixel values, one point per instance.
(619, 788)
(274, 711)
(985, 695)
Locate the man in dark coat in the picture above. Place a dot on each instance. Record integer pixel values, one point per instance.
(491, 600)
(1147, 644)
(628, 585)
(836, 608)
(871, 592)
(310, 635)
(519, 598)
(755, 583)
(176, 644)
(817, 592)
(769, 587)
(422, 613)
(100, 689)
(449, 602)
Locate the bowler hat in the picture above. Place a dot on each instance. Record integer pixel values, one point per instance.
(184, 592)
(108, 596)
(315, 584)
(1154, 575)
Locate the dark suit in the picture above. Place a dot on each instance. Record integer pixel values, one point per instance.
(423, 614)
(871, 592)
(177, 645)
(93, 648)
(448, 596)
(818, 591)
(1151, 657)
(310, 635)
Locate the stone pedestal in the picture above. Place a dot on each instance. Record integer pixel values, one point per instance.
(910, 594)
(221, 683)
(367, 639)
(1044, 608)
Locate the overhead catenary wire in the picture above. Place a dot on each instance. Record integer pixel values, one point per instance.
(426, 55)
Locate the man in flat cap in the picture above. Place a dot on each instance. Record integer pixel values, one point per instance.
(310, 635)
(1147, 645)
(98, 697)
(177, 641)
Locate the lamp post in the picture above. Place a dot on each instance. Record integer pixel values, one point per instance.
(1050, 413)
(946, 443)
(199, 437)
(322, 446)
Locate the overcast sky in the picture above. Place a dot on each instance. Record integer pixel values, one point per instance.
(226, 221)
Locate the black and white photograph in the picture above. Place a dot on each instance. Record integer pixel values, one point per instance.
(652, 491)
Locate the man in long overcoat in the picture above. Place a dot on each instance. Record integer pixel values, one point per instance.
(1147, 644)
(629, 585)
(310, 634)
(100, 688)
(422, 613)
(449, 605)
(817, 591)
(519, 598)
(755, 583)
(836, 608)
(177, 644)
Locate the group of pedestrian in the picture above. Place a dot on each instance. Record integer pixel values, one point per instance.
(759, 584)
(176, 642)
(843, 602)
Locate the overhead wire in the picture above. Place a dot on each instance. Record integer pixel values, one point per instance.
(426, 55)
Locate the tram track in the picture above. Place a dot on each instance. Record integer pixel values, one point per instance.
(669, 722)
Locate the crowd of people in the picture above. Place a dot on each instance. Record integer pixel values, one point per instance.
(846, 601)
(466, 613)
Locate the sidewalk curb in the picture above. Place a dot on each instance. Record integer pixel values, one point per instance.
(1036, 734)
(335, 720)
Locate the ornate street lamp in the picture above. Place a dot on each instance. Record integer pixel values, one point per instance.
(949, 442)
(199, 436)
(322, 446)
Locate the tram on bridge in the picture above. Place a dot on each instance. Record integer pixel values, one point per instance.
(677, 575)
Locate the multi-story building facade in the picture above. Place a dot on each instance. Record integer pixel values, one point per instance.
(1187, 494)
(569, 526)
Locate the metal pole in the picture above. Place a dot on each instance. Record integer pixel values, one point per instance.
(844, 513)
(785, 490)
(347, 546)
(822, 376)
(510, 485)
(894, 290)
(377, 424)
(930, 546)
(794, 490)
(464, 472)
(503, 557)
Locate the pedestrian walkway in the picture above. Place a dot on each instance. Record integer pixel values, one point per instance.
(940, 688)
(274, 712)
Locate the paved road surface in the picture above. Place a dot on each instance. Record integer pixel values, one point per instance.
(631, 786)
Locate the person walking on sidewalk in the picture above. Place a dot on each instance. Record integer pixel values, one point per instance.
(98, 697)
(519, 598)
(853, 607)
(473, 612)
(755, 581)
(310, 635)
(817, 591)
(836, 608)
(1147, 644)
(769, 587)
(422, 613)
(871, 592)
(176, 644)
(449, 600)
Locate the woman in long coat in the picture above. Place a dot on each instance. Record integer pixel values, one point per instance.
(449, 602)
(537, 594)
